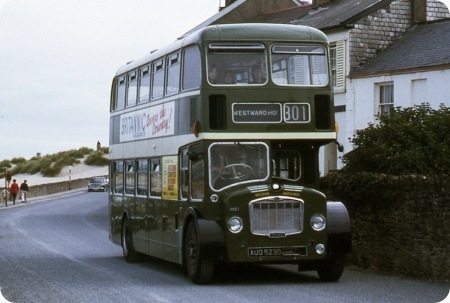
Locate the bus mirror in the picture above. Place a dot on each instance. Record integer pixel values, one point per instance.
(340, 147)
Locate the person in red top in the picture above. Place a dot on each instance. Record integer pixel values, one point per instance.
(14, 189)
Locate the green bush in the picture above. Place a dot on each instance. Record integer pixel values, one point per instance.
(359, 188)
(414, 140)
(52, 165)
(31, 167)
(97, 159)
(18, 160)
(85, 151)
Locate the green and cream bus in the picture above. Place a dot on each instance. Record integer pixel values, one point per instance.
(214, 144)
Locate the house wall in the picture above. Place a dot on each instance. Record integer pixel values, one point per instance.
(329, 155)
(409, 89)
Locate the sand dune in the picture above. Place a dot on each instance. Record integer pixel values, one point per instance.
(79, 171)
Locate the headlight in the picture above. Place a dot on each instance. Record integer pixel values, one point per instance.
(235, 225)
(318, 222)
(320, 249)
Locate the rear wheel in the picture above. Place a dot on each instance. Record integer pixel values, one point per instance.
(129, 253)
(331, 268)
(199, 270)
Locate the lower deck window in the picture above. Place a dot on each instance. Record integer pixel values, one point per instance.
(233, 163)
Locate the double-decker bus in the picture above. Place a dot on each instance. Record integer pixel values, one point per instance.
(214, 152)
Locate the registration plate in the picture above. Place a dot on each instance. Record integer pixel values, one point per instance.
(255, 252)
(264, 252)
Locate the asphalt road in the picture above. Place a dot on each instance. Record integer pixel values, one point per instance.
(57, 250)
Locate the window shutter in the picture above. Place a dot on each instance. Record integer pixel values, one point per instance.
(340, 67)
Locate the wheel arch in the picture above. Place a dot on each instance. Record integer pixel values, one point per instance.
(339, 232)
(125, 216)
(211, 237)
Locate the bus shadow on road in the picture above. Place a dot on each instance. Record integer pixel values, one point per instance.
(262, 274)
(225, 274)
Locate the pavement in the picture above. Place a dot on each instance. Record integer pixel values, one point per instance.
(38, 199)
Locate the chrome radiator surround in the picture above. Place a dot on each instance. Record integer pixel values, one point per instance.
(276, 216)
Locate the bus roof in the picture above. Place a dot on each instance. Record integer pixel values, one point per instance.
(235, 33)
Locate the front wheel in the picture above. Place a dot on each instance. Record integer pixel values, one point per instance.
(129, 253)
(331, 268)
(199, 270)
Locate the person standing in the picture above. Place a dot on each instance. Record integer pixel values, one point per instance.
(5, 196)
(24, 191)
(14, 189)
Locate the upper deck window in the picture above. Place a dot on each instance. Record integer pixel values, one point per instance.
(144, 84)
(120, 102)
(192, 68)
(132, 88)
(231, 64)
(158, 79)
(173, 74)
(302, 65)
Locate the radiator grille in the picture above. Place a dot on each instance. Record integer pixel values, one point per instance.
(276, 216)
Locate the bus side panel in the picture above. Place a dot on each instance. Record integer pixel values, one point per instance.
(154, 221)
(139, 225)
(169, 228)
(116, 211)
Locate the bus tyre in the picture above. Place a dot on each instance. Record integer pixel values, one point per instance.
(331, 268)
(127, 243)
(199, 270)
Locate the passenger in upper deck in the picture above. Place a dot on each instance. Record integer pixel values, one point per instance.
(229, 78)
(257, 75)
(213, 74)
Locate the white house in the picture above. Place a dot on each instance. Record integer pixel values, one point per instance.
(412, 70)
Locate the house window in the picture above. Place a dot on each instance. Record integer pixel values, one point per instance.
(386, 100)
(337, 54)
(419, 91)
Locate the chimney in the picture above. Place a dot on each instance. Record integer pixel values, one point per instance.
(225, 3)
(318, 3)
(419, 11)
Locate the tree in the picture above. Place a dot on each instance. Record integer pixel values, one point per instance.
(413, 140)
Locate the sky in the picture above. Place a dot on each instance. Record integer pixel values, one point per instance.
(58, 58)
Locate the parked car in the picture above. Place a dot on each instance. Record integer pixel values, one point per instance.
(98, 183)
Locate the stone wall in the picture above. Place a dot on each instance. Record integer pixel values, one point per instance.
(53, 188)
(407, 231)
(437, 10)
(375, 32)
